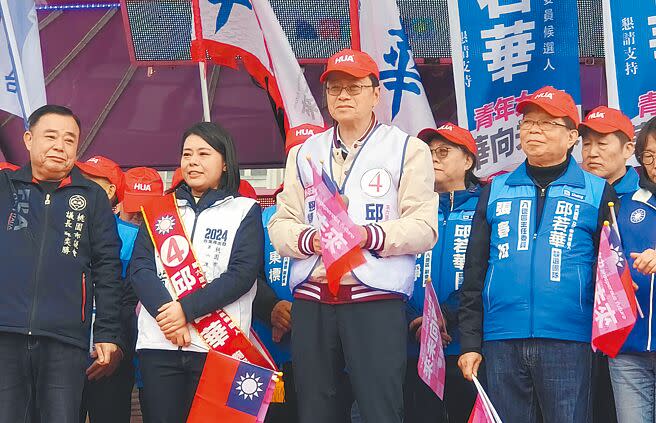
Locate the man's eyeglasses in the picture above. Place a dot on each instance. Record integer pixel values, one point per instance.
(543, 125)
(354, 89)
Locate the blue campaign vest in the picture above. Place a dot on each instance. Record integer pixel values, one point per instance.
(628, 183)
(446, 261)
(636, 220)
(539, 282)
(276, 270)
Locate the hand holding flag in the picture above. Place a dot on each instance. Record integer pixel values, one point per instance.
(339, 237)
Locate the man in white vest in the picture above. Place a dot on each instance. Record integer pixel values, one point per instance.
(386, 177)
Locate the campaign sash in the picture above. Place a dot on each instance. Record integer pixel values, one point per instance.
(177, 255)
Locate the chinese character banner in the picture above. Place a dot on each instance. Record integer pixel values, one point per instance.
(630, 44)
(509, 49)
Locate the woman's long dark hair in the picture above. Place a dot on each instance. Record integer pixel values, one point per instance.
(220, 140)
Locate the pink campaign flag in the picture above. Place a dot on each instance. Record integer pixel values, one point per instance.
(340, 237)
(614, 312)
(432, 365)
(483, 411)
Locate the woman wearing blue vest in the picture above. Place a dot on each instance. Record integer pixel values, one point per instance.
(225, 231)
(633, 371)
(454, 153)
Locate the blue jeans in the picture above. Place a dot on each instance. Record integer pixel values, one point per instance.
(529, 377)
(41, 379)
(634, 378)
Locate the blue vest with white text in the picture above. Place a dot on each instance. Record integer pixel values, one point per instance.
(540, 281)
(637, 222)
(276, 271)
(445, 263)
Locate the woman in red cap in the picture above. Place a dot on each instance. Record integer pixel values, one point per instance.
(223, 236)
(454, 155)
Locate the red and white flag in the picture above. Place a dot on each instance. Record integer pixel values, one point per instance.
(248, 31)
(432, 364)
(615, 306)
(339, 236)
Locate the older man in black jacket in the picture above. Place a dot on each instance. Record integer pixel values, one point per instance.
(60, 247)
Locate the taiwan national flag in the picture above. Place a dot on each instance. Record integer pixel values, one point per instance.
(615, 306)
(340, 237)
(231, 391)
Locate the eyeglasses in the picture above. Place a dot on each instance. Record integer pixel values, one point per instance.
(543, 125)
(647, 158)
(354, 89)
(440, 152)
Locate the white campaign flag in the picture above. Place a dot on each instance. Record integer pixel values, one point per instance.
(249, 30)
(22, 86)
(403, 100)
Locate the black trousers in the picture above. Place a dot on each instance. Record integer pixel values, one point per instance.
(109, 400)
(41, 379)
(368, 340)
(170, 380)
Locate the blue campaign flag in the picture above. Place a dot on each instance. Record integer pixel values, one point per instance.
(508, 50)
(630, 46)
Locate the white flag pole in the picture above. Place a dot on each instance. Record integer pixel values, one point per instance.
(14, 52)
(202, 68)
(486, 400)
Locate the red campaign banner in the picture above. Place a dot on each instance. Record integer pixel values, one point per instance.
(177, 255)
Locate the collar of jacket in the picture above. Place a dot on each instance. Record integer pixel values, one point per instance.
(459, 197)
(74, 178)
(208, 199)
(573, 176)
(628, 182)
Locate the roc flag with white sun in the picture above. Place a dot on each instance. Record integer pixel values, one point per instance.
(231, 391)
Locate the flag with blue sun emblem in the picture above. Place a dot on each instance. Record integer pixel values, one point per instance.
(231, 391)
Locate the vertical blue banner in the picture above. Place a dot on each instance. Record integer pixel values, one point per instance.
(630, 45)
(509, 49)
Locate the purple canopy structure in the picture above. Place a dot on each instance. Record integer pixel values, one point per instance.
(136, 115)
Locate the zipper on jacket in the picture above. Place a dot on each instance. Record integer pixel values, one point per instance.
(451, 196)
(84, 295)
(37, 268)
(543, 194)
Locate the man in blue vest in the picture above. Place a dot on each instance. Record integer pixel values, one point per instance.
(526, 300)
(272, 306)
(607, 136)
(607, 145)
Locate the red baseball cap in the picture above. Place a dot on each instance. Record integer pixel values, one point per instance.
(177, 179)
(299, 134)
(247, 190)
(142, 184)
(555, 102)
(452, 133)
(103, 167)
(606, 120)
(7, 165)
(353, 62)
